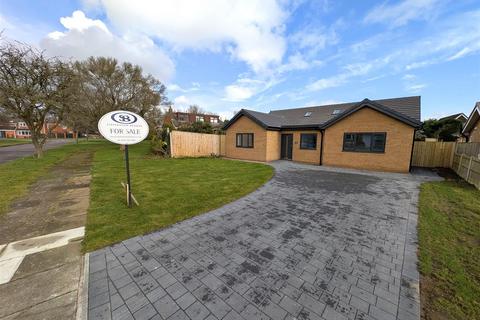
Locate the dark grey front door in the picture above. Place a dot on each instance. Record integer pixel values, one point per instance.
(286, 147)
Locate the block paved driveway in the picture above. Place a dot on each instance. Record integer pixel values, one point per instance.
(313, 243)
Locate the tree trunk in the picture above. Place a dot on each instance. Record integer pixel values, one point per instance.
(38, 147)
(76, 137)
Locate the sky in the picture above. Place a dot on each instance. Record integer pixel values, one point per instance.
(266, 54)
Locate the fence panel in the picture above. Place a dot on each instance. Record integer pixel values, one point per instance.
(468, 148)
(192, 144)
(468, 168)
(432, 154)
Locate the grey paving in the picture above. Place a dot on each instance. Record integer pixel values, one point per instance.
(313, 243)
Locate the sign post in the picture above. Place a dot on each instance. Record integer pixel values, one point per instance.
(124, 128)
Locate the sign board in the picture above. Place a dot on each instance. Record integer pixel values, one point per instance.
(123, 127)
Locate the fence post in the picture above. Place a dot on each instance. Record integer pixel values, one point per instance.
(469, 168)
(460, 164)
(171, 144)
(452, 155)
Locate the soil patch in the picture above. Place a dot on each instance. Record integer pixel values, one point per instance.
(56, 202)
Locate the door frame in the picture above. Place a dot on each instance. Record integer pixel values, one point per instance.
(284, 146)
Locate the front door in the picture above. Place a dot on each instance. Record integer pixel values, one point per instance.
(286, 147)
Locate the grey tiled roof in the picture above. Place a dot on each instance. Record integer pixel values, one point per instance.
(409, 106)
(405, 109)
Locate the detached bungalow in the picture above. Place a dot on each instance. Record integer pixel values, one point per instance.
(373, 135)
(471, 129)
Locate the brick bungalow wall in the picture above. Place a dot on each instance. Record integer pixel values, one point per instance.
(304, 155)
(259, 150)
(397, 149)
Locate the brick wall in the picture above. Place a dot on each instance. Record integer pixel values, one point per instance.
(397, 149)
(273, 145)
(245, 125)
(304, 155)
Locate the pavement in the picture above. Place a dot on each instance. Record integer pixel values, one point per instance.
(41, 265)
(25, 150)
(312, 243)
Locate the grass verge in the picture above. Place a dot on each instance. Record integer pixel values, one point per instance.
(17, 175)
(13, 142)
(449, 250)
(169, 190)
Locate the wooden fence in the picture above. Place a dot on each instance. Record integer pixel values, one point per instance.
(462, 157)
(467, 167)
(468, 148)
(433, 154)
(192, 144)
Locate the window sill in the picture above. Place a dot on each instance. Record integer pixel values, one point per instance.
(374, 152)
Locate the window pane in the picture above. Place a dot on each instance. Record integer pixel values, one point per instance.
(378, 144)
(239, 140)
(250, 140)
(363, 142)
(308, 141)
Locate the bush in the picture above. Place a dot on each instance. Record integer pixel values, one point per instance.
(159, 144)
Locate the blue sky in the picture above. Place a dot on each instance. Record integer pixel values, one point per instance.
(267, 54)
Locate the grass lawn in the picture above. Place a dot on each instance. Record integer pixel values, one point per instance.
(168, 190)
(16, 176)
(12, 142)
(449, 250)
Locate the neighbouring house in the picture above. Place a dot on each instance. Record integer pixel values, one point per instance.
(372, 135)
(471, 129)
(457, 116)
(22, 130)
(7, 131)
(184, 118)
(18, 129)
(460, 117)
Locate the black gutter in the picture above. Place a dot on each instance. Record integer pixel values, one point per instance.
(322, 132)
(411, 153)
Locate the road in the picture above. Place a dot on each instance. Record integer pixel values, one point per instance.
(25, 150)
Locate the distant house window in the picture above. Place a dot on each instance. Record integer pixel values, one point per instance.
(365, 142)
(336, 111)
(244, 140)
(307, 114)
(199, 118)
(214, 120)
(308, 141)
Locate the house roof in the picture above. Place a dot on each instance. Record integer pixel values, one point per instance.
(459, 116)
(405, 109)
(7, 126)
(472, 119)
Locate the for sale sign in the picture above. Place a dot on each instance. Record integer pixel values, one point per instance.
(123, 127)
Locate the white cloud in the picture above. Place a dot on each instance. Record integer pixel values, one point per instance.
(401, 13)
(245, 88)
(251, 31)
(86, 37)
(464, 52)
(411, 83)
(181, 101)
(350, 70)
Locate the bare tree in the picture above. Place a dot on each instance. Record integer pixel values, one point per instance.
(34, 88)
(107, 85)
(195, 109)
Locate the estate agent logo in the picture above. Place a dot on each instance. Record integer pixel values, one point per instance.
(123, 127)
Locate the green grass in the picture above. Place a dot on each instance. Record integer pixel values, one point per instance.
(17, 175)
(168, 190)
(13, 142)
(449, 234)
